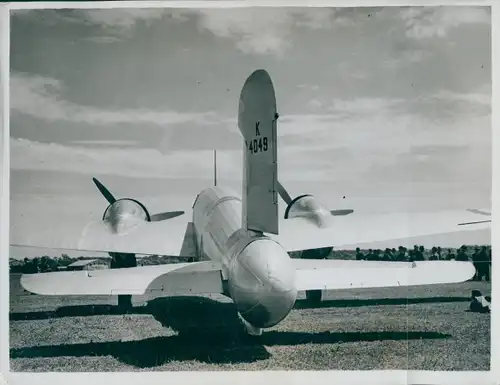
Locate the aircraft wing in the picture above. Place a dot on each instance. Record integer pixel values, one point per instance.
(175, 278)
(348, 231)
(330, 274)
(172, 237)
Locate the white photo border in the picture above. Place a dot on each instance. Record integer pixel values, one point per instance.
(289, 377)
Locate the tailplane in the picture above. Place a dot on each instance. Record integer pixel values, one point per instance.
(257, 118)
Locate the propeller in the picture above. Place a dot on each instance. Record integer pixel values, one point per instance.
(288, 200)
(341, 212)
(166, 215)
(153, 218)
(104, 191)
(284, 194)
(481, 212)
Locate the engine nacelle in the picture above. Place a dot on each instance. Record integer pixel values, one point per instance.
(321, 253)
(308, 206)
(125, 214)
(261, 282)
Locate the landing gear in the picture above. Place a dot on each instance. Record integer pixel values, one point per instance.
(250, 329)
(313, 296)
(121, 261)
(124, 303)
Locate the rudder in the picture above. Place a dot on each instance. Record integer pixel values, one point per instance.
(257, 123)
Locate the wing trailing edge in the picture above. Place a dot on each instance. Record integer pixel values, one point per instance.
(349, 231)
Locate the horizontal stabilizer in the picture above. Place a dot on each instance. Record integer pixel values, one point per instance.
(329, 274)
(348, 231)
(175, 278)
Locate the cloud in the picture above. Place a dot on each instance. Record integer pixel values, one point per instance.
(117, 19)
(306, 163)
(391, 124)
(98, 142)
(113, 24)
(451, 109)
(318, 146)
(41, 97)
(314, 104)
(252, 30)
(123, 19)
(312, 87)
(259, 31)
(406, 57)
(480, 97)
(431, 22)
(129, 162)
(362, 105)
(269, 32)
(103, 39)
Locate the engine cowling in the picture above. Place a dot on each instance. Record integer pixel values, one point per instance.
(308, 206)
(121, 216)
(125, 214)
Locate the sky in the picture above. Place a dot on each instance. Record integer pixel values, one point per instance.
(389, 107)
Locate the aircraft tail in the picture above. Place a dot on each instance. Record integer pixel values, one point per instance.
(257, 118)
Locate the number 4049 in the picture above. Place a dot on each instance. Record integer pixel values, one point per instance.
(258, 145)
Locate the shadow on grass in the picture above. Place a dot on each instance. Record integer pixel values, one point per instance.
(206, 347)
(105, 309)
(208, 331)
(305, 304)
(70, 311)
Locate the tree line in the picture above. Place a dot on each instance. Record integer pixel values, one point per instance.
(46, 264)
(474, 253)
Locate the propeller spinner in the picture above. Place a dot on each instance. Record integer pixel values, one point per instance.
(289, 201)
(152, 218)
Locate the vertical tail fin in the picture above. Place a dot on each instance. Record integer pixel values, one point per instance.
(257, 123)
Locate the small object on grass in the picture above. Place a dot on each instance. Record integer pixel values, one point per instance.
(479, 303)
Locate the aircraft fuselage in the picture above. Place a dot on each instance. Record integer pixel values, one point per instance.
(259, 274)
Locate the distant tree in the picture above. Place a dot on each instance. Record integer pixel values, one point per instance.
(65, 260)
(43, 264)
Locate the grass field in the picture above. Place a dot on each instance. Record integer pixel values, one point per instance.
(420, 328)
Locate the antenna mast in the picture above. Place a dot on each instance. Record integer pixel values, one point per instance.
(215, 167)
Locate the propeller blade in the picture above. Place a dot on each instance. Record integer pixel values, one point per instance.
(481, 212)
(104, 191)
(341, 212)
(167, 215)
(284, 194)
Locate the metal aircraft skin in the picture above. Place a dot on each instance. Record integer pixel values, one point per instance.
(241, 245)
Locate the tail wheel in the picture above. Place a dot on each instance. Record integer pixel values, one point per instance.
(313, 295)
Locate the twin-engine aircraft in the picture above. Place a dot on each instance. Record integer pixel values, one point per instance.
(240, 245)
